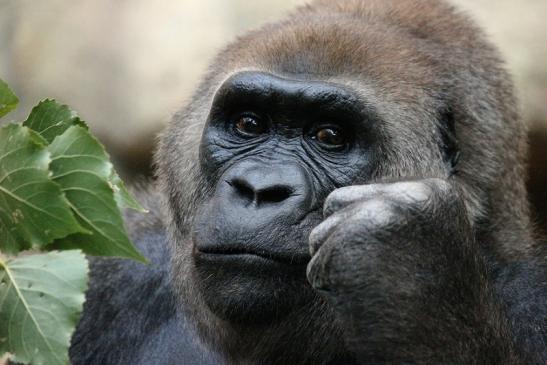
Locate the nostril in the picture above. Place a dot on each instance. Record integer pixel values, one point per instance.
(274, 194)
(243, 189)
(260, 194)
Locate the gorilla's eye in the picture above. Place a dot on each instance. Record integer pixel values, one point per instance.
(330, 136)
(250, 126)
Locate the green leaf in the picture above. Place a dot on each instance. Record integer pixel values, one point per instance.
(51, 119)
(122, 196)
(81, 167)
(8, 100)
(41, 298)
(33, 210)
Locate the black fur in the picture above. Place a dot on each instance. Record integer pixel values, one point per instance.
(130, 316)
(417, 225)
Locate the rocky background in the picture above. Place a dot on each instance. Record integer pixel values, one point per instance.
(128, 65)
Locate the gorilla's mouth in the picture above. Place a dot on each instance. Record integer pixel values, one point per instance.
(295, 259)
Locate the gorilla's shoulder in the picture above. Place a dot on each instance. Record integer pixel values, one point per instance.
(130, 316)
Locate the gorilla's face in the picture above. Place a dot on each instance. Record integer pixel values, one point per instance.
(272, 148)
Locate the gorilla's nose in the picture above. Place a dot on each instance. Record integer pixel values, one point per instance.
(257, 209)
(281, 187)
(259, 193)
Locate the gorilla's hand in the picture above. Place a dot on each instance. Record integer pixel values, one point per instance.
(385, 234)
(399, 263)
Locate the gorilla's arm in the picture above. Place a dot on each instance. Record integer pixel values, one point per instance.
(401, 265)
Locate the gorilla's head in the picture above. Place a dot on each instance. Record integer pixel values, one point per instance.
(339, 93)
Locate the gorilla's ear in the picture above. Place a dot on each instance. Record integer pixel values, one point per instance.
(449, 141)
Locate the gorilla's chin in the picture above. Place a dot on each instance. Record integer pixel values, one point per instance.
(250, 289)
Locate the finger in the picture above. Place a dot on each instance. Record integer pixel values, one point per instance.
(316, 272)
(342, 197)
(320, 233)
(404, 192)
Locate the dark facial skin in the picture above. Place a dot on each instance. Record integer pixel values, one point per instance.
(276, 147)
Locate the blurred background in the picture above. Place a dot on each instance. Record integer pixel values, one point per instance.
(127, 65)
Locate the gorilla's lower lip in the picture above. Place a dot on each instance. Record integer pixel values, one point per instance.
(285, 258)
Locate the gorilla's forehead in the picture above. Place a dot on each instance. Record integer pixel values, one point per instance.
(290, 92)
(377, 51)
(375, 67)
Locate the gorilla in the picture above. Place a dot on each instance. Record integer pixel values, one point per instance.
(346, 186)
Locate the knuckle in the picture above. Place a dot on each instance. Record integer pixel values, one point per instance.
(336, 200)
(315, 240)
(437, 185)
(374, 213)
(330, 205)
(424, 192)
(321, 233)
(344, 196)
(412, 191)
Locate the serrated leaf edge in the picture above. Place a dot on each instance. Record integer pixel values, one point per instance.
(7, 108)
(4, 266)
(37, 139)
